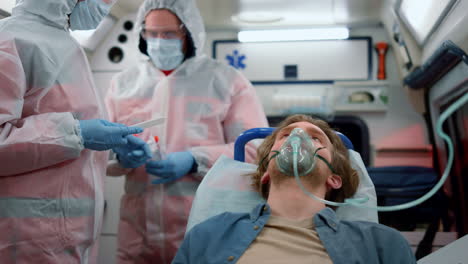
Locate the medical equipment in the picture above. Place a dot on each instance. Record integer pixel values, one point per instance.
(359, 202)
(298, 146)
(166, 54)
(155, 148)
(150, 123)
(227, 187)
(158, 155)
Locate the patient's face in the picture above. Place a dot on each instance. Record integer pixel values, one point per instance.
(320, 139)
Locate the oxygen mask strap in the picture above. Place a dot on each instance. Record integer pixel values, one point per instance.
(324, 160)
(272, 157)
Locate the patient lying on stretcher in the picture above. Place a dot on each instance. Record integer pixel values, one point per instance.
(291, 227)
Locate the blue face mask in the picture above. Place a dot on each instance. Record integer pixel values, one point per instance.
(88, 14)
(166, 54)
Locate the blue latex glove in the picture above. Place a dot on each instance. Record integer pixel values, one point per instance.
(173, 168)
(134, 154)
(100, 134)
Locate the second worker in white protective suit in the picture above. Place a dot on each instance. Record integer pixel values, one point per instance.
(207, 105)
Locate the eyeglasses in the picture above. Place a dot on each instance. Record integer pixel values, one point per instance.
(165, 32)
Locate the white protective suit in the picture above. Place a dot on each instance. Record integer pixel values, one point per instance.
(51, 193)
(207, 105)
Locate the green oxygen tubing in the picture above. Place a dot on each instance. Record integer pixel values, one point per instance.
(296, 151)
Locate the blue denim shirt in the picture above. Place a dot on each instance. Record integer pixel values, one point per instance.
(225, 237)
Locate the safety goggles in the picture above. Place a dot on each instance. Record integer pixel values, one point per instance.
(164, 32)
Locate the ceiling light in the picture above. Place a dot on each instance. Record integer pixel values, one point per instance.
(257, 17)
(293, 34)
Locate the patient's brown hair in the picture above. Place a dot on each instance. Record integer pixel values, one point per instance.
(340, 160)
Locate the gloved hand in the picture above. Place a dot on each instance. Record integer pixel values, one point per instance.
(100, 134)
(173, 168)
(134, 154)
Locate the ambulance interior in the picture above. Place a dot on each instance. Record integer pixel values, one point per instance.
(383, 73)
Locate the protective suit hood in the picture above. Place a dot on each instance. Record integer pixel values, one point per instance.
(53, 11)
(187, 12)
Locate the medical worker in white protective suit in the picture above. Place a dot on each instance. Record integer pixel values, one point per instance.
(207, 105)
(51, 196)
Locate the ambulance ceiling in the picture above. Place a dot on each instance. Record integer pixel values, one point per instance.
(224, 14)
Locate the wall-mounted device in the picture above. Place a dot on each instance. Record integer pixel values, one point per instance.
(381, 48)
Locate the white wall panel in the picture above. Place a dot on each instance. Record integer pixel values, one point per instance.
(101, 61)
(315, 60)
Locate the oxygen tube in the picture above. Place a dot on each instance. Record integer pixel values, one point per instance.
(299, 146)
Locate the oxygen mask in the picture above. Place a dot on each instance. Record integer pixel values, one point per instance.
(298, 145)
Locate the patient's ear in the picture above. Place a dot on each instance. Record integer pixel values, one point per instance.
(334, 182)
(265, 178)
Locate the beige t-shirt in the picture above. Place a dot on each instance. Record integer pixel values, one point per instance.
(286, 241)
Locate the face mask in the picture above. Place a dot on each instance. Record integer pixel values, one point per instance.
(88, 14)
(166, 54)
(300, 149)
